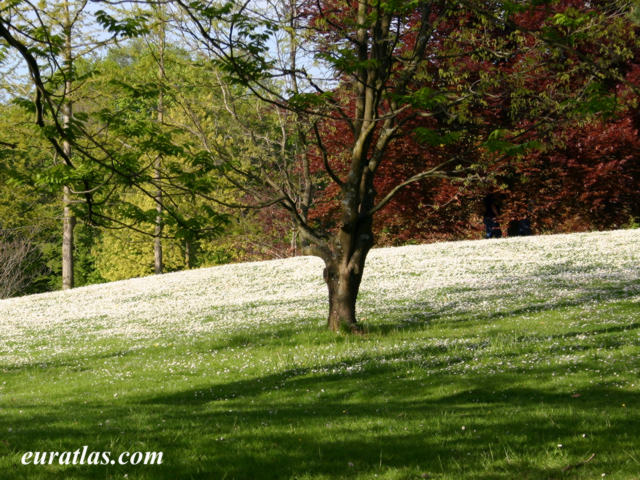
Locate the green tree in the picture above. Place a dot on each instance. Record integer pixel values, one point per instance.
(28, 224)
(59, 34)
(154, 89)
(126, 153)
(376, 50)
(381, 68)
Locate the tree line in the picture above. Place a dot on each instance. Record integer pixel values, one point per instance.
(183, 134)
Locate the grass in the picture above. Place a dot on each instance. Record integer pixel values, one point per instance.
(533, 377)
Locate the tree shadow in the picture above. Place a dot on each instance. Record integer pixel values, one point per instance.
(301, 423)
(419, 314)
(354, 418)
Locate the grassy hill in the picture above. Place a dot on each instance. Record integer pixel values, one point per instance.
(514, 358)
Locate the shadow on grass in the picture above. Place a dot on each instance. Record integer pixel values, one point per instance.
(417, 315)
(301, 423)
(354, 419)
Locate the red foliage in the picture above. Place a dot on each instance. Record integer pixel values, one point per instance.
(587, 178)
(590, 182)
(429, 210)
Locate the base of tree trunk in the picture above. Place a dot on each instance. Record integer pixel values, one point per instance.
(338, 325)
(343, 290)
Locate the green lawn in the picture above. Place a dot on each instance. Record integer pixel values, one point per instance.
(533, 374)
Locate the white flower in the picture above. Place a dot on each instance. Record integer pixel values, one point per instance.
(449, 277)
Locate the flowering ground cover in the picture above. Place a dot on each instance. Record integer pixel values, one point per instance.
(511, 358)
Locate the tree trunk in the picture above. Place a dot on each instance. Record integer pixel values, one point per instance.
(343, 284)
(343, 275)
(68, 224)
(68, 219)
(187, 254)
(157, 242)
(158, 264)
(294, 241)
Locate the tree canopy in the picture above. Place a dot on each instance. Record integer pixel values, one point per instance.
(360, 120)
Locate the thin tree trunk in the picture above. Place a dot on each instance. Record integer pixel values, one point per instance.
(68, 225)
(187, 254)
(294, 241)
(157, 240)
(69, 220)
(157, 243)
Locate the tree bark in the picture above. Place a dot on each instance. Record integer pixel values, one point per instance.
(343, 274)
(157, 241)
(68, 224)
(343, 284)
(158, 265)
(68, 219)
(187, 254)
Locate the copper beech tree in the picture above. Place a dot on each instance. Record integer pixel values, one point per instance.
(586, 175)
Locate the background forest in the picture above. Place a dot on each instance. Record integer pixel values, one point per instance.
(552, 133)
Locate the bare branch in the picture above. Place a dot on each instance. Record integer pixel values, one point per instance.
(432, 172)
(325, 156)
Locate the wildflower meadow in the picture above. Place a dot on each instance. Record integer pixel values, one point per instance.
(491, 359)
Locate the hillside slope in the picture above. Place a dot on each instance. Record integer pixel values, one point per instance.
(491, 360)
(425, 281)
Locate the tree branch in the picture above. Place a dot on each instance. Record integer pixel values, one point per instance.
(433, 172)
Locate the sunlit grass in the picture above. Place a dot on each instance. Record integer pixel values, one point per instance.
(530, 372)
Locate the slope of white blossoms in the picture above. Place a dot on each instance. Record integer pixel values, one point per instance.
(414, 283)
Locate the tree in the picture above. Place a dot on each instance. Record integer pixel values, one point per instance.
(363, 74)
(59, 35)
(29, 211)
(387, 66)
(116, 147)
(578, 106)
(19, 265)
(160, 34)
(586, 92)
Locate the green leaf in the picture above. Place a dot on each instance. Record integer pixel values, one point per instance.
(433, 138)
(131, 27)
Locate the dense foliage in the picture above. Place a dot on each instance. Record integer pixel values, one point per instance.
(221, 150)
(568, 166)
